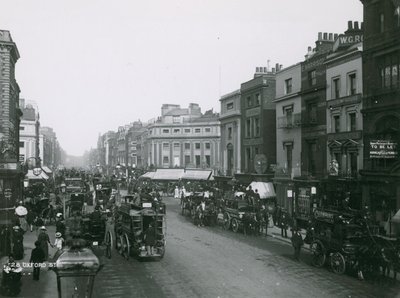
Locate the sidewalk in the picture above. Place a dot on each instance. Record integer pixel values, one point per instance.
(47, 285)
(275, 233)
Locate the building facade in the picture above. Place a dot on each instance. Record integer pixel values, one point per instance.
(344, 119)
(184, 138)
(258, 124)
(230, 119)
(11, 173)
(288, 134)
(381, 107)
(29, 133)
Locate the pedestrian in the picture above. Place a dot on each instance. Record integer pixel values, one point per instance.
(265, 218)
(150, 239)
(297, 242)
(59, 241)
(283, 223)
(176, 192)
(60, 226)
(38, 223)
(44, 242)
(18, 243)
(36, 260)
(30, 217)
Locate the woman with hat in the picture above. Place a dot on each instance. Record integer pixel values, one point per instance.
(44, 240)
(59, 242)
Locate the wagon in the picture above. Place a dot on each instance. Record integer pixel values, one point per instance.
(236, 212)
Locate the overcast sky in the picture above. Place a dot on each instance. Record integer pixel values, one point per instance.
(93, 65)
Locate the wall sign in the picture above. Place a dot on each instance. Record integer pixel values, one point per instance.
(382, 149)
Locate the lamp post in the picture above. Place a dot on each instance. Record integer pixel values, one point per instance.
(63, 189)
(76, 269)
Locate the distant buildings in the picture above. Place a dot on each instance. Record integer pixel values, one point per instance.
(29, 132)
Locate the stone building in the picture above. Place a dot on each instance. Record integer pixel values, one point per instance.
(230, 133)
(11, 174)
(381, 108)
(344, 119)
(258, 124)
(184, 138)
(29, 132)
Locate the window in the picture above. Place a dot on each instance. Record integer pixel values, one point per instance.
(208, 160)
(229, 106)
(229, 133)
(22, 128)
(197, 146)
(312, 112)
(352, 122)
(248, 100)
(177, 146)
(165, 145)
(312, 152)
(208, 145)
(288, 112)
(338, 157)
(381, 23)
(289, 154)
(256, 150)
(288, 86)
(21, 144)
(336, 123)
(187, 146)
(352, 84)
(165, 130)
(197, 130)
(197, 159)
(258, 99)
(353, 163)
(177, 130)
(176, 119)
(165, 160)
(312, 78)
(207, 129)
(336, 88)
(256, 127)
(248, 128)
(187, 130)
(187, 159)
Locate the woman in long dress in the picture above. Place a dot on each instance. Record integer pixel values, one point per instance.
(44, 241)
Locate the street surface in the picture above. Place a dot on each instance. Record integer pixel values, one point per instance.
(211, 262)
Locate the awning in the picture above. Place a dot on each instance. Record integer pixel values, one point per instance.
(196, 175)
(168, 174)
(265, 189)
(32, 176)
(148, 175)
(396, 217)
(47, 170)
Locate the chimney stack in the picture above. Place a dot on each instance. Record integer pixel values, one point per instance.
(349, 25)
(356, 26)
(325, 36)
(277, 66)
(273, 69)
(280, 66)
(319, 35)
(335, 36)
(330, 36)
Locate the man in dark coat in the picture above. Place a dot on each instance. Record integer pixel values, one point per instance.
(150, 239)
(297, 242)
(37, 258)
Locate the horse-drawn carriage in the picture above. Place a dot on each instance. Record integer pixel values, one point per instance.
(75, 203)
(348, 242)
(239, 214)
(133, 221)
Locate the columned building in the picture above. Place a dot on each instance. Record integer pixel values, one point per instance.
(230, 133)
(11, 174)
(344, 119)
(381, 108)
(288, 134)
(184, 138)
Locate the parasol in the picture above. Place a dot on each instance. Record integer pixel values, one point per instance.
(21, 211)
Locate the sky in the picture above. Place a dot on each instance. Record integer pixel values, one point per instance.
(94, 65)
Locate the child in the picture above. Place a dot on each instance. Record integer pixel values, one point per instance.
(59, 242)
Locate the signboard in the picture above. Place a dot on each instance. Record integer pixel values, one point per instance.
(8, 166)
(382, 149)
(348, 39)
(324, 215)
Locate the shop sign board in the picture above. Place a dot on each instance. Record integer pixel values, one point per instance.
(382, 149)
(8, 166)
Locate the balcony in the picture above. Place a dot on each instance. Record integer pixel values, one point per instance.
(290, 121)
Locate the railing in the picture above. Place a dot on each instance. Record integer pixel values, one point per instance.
(290, 121)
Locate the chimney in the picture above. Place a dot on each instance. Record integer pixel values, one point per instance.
(362, 26)
(330, 36)
(280, 66)
(265, 70)
(277, 66)
(349, 25)
(257, 69)
(309, 49)
(273, 69)
(325, 36)
(335, 36)
(356, 26)
(319, 35)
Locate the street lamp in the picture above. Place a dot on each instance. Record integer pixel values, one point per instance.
(76, 269)
(63, 189)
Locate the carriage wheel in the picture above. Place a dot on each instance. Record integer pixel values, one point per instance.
(338, 263)
(235, 225)
(318, 252)
(109, 244)
(227, 221)
(126, 247)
